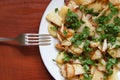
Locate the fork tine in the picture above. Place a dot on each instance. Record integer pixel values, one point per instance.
(38, 37)
(34, 34)
(38, 40)
(41, 44)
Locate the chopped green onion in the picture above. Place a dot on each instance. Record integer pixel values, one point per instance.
(56, 10)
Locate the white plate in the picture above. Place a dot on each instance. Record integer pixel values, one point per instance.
(49, 52)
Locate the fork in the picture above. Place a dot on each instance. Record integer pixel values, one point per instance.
(30, 39)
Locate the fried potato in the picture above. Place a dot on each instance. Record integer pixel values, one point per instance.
(115, 2)
(97, 55)
(114, 76)
(98, 75)
(54, 18)
(100, 47)
(60, 47)
(101, 65)
(72, 5)
(115, 53)
(94, 44)
(112, 52)
(52, 31)
(59, 58)
(63, 12)
(118, 65)
(96, 6)
(81, 46)
(78, 69)
(59, 37)
(76, 50)
(104, 48)
(93, 69)
(67, 70)
(70, 71)
(81, 77)
(66, 43)
(75, 78)
(118, 53)
(84, 2)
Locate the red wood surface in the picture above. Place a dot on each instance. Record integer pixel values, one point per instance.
(18, 62)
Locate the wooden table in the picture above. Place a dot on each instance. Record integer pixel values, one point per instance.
(17, 62)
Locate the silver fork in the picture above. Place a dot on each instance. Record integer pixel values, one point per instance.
(30, 39)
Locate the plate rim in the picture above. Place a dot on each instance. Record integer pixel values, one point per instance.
(43, 17)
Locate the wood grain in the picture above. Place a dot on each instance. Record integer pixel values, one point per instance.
(18, 62)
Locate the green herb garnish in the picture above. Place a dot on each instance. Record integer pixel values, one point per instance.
(68, 56)
(53, 28)
(87, 77)
(110, 63)
(56, 10)
(86, 46)
(65, 32)
(72, 20)
(86, 68)
(78, 38)
(88, 10)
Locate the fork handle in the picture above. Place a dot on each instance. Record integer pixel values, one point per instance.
(6, 39)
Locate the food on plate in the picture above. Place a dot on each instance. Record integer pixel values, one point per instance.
(89, 39)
